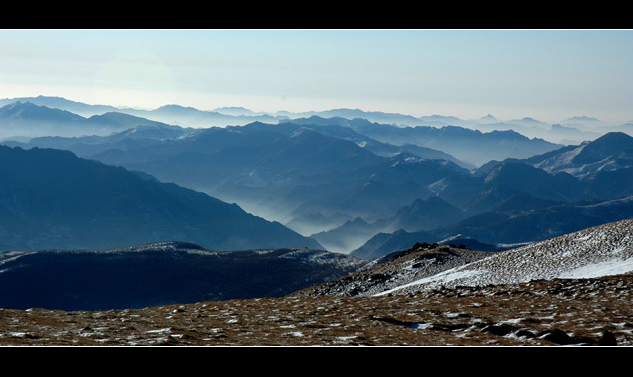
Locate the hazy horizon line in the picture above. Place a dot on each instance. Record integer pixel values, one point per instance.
(324, 109)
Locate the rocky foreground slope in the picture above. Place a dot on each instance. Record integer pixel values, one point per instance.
(541, 313)
(570, 290)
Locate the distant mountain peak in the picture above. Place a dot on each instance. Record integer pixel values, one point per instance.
(582, 118)
(234, 110)
(488, 118)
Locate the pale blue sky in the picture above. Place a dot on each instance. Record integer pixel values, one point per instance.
(550, 75)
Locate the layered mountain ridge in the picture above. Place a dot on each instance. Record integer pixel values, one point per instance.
(53, 199)
(316, 173)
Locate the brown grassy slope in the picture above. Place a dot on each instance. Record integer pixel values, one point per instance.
(583, 311)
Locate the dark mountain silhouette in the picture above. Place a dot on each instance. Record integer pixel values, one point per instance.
(160, 274)
(384, 243)
(52, 199)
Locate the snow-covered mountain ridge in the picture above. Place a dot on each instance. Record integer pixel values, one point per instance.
(594, 252)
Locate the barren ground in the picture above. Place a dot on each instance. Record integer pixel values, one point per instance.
(583, 311)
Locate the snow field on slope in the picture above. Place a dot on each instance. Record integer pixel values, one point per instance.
(594, 252)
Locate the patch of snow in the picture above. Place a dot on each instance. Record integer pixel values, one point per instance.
(512, 321)
(159, 331)
(345, 338)
(442, 277)
(605, 268)
(263, 252)
(438, 186)
(421, 326)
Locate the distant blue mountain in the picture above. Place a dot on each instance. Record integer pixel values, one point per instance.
(83, 109)
(467, 145)
(317, 172)
(53, 199)
(28, 119)
(384, 243)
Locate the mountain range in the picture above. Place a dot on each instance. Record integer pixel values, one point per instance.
(53, 199)
(567, 131)
(519, 201)
(345, 180)
(104, 208)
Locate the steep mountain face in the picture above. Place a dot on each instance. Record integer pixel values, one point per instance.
(52, 199)
(159, 274)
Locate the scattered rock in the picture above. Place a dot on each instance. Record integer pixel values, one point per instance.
(556, 336)
(523, 333)
(608, 339)
(500, 330)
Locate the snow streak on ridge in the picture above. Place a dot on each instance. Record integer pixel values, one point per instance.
(598, 251)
